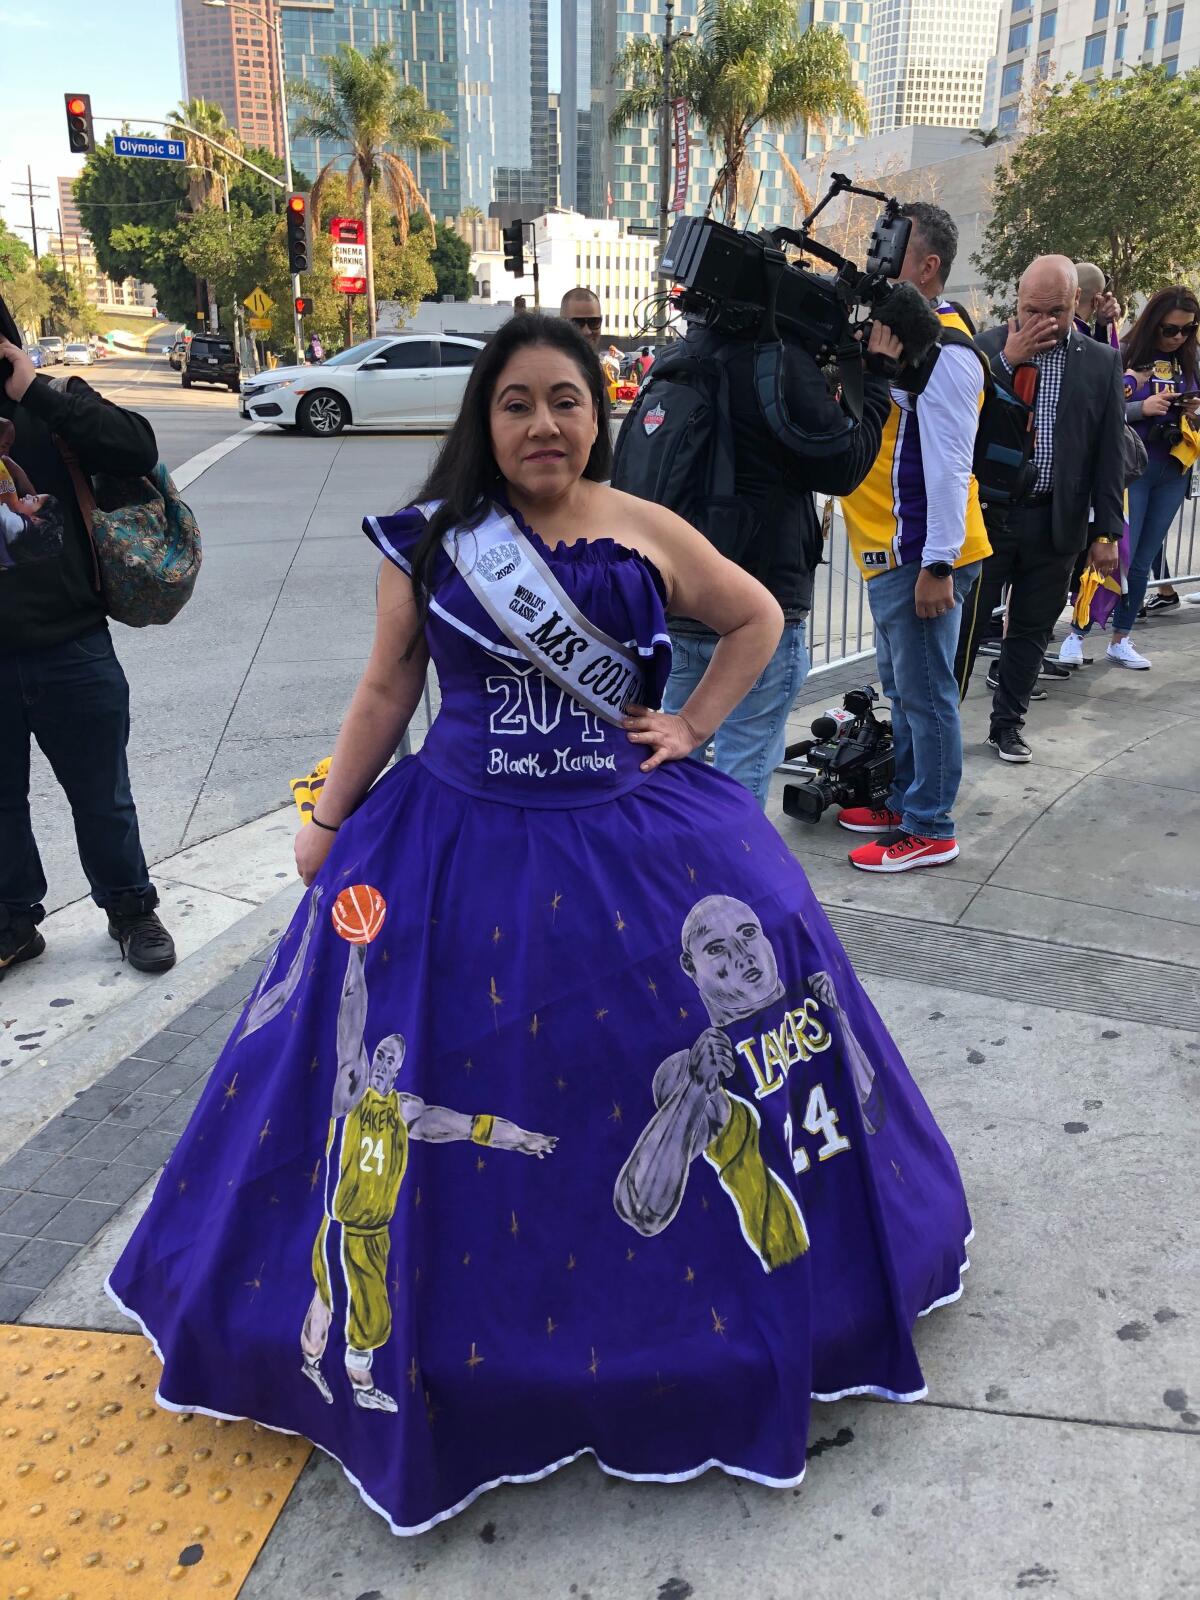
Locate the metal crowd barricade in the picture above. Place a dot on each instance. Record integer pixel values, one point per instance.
(840, 629)
(1180, 550)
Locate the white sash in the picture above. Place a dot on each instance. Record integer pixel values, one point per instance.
(527, 603)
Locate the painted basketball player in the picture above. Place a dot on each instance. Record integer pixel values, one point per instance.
(377, 1123)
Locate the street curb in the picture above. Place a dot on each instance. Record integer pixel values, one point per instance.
(45, 1086)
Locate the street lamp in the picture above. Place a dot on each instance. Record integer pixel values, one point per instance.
(276, 28)
(670, 40)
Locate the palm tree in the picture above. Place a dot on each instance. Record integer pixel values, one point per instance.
(749, 66)
(208, 168)
(370, 111)
(986, 137)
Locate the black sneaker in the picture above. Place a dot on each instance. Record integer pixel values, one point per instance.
(1051, 669)
(993, 683)
(1009, 745)
(145, 943)
(1161, 602)
(19, 939)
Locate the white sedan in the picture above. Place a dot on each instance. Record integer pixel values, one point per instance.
(405, 381)
(78, 355)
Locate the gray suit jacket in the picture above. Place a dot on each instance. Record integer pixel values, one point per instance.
(1089, 432)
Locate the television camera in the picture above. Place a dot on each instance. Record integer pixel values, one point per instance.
(850, 757)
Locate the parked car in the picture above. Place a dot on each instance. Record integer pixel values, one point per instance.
(212, 358)
(37, 355)
(78, 354)
(52, 349)
(177, 354)
(404, 381)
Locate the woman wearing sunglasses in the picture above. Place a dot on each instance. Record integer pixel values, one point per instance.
(1162, 403)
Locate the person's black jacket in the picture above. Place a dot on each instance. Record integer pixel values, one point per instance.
(1089, 440)
(780, 484)
(50, 602)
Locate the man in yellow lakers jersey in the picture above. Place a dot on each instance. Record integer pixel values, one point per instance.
(917, 533)
(371, 1156)
(730, 959)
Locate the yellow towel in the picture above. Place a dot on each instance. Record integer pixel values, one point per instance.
(1188, 448)
(307, 791)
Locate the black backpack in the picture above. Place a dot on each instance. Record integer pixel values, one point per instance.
(675, 448)
(1003, 460)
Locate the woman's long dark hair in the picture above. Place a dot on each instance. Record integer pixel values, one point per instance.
(1139, 348)
(465, 477)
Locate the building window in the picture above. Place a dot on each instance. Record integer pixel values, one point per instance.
(1093, 51)
(1119, 47)
(1010, 81)
(1174, 26)
(1007, 120)
(1101, 11)
(1171, 66)
(1047, 25)
(1151, 33)
(1043, 67)
(1018, 36)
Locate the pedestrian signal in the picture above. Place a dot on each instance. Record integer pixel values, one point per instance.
(514, 249)
(303, 306)
(299, 233)
(79, 124)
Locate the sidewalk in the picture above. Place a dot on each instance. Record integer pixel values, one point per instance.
(1049, 1011)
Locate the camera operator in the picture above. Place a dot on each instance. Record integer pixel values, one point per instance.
(60, 680)
(917, 533)
(786, 550)
(1097, 310)
(1162, 404)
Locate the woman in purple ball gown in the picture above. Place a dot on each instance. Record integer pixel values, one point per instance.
(558, 1122)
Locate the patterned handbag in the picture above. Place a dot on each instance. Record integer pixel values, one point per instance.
(145, 542)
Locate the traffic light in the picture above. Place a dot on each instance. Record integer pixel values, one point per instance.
(303, 306)
(299, 233)
(79, 123)
(514, 248)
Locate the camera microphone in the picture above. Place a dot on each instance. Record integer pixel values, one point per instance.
(907, 313)
(824, 728)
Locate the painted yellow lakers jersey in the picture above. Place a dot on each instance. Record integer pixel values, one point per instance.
(885, 516)
(373, 1161)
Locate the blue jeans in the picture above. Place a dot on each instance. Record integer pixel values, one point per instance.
(1154, 502)
(74, 700)
(916, 666)
(750, 742)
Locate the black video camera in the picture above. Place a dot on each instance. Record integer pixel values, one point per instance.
(742, 283)
(851, 757)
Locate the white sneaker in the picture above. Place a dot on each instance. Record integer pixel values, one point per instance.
(372, 1399)
(1070, 653)
(1125, 655)
(1193, 599)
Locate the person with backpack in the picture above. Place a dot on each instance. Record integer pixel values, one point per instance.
(916, 530)
(697, 442)
(60, 680)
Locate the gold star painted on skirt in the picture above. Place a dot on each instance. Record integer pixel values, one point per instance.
(314, 1064)
(745, 846)
(535, 1026)
(386, 956)
(295, 1012)
(231, 1091)
(396, 1281)
(468, 1065)
(467, 1259)
(497, 1000)
(570, 1263)
(514, 1226)
(474, 1359)
(629, 1254)
(560, 1083)
(480, 1163)
(653, 987)
(683, 1013)
(691, 872)
(431, 1411)
(265, 1131)
(413, 1374)
(619, 924)
(417, 1200)
(689, 1276)
(704, 1202)
(496, 935)
(554, 904)
(551, 1327)
(896, 1170)
(314, 1176)
(601, 1013)
(718, 1321)
(254, 1284)
(615, 1114)
(594, 1363)
(183, 1186)
(661, 1388)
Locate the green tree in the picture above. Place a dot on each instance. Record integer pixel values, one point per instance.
(15, 254)
(450, 259)
(67, 311)
(1107, 174)
(370, 111)
(229, 251)
(750, 67)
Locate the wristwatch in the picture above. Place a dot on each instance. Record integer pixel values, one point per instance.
(940, 569)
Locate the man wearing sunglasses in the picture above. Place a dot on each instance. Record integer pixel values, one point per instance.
(582, 310)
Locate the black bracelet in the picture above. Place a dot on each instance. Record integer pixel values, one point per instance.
(324, 825)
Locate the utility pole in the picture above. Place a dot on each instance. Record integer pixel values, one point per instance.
(31, 191)
(62, 248)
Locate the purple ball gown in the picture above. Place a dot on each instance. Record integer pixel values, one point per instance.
(591, 1143)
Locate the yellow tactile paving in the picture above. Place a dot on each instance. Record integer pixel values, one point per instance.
(104, 1496)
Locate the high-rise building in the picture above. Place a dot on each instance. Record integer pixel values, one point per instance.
(69, 220)
(1046, 41)
(852, 19)
(229, 57)
(928, 62)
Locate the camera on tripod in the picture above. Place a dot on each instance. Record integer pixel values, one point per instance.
(851, 758)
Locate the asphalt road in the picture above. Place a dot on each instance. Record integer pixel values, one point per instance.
(185, 421)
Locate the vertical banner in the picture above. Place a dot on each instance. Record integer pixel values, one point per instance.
(682, 154)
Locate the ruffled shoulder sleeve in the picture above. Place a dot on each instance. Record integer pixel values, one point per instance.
(397, 535)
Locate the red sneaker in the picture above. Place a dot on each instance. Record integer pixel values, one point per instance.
(869, 819)
(898, 851)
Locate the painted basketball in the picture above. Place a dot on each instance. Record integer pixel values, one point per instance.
(358, 913)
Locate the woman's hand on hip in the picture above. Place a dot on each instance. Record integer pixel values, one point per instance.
(670, 736)
(312, 846)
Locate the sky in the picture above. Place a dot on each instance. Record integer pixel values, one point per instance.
(124, 53)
